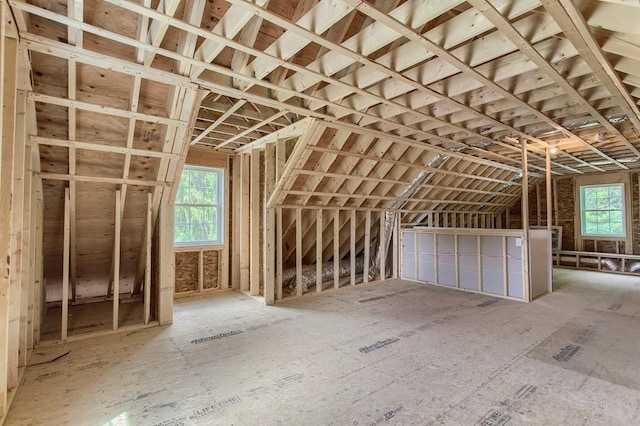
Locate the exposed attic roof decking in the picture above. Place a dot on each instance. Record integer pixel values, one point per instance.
(468, 77)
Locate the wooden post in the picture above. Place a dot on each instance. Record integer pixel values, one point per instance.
(555, 204)
(16, 294)
(367, 246)
(243, 222)
(167, 262)
(456, 257)
(352, 246)
(269, 225)
(396, 244)
(436, 273)
(299, 252)
(8, 62)
(280, 160)
(505, 267)
(147, 273)
(201, 271)
(254, 280)
(549, 191)
(479, 249)
(39, 295)
(549, 207)
(525, 222)
(336, 248)
(116, 263)
(65, 266)
(279, 265)
(223, 282)
(6, 158)
(237, 219)
(31, 249)
(538, 206)
(26, 306)
(319, 229)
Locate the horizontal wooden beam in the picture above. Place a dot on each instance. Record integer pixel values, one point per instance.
(86, 106)
(102, 147)
(36, 43)
(97, 179)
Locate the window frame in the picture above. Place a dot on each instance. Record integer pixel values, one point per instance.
(583, 211)
(220, 206)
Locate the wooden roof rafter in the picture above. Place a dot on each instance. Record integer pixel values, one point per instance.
(464, 67)
(503, 25)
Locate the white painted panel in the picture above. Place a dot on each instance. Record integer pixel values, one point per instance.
(491, 246)
(447, 269)
(446, 244)
(425, 243)
(492, 281)
(426, 272)
(468, 244)
(514, 247)
(409, 268)
(468, 272)
(541, 261)
(515, 288)
(408, 242)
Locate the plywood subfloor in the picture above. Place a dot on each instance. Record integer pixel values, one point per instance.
(381, 353)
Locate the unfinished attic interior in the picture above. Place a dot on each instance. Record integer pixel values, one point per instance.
(407, 211)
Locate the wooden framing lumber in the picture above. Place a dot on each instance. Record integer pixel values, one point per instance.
(299, 289)
(525, 223)
(147, 274)
(244, 222)
(116, 258)
(336, 248)
(269, 225)
(352, 246)
(319, 260)
(254, 280)
(65, 265)
(166, 262)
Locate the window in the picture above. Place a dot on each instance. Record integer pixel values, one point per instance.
(199, 207)
(602, 212)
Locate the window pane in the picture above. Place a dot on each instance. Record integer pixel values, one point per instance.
(604, 228)
(591, 228)
(617, 228)
(603, 201)
(197, 204)
(182, 232)
(602, 210)
(591, 216)
(615, 198)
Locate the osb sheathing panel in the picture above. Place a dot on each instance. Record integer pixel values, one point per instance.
(211, 268)
(144, 168)
(186, 271)
(206, 158)
(53, 193)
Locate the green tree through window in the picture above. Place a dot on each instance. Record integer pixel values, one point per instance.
(199, 207)
(602, 211)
